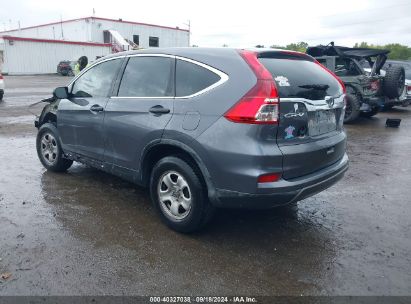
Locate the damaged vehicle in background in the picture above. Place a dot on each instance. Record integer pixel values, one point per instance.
(202, 128)
(367, 92)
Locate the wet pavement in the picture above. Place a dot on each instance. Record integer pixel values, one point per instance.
(88, 233)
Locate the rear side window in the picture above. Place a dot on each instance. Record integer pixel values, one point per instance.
(192, 78)
(296, 78)
(148, 77)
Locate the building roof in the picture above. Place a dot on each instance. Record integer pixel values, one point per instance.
(12, 38)
(97, 18)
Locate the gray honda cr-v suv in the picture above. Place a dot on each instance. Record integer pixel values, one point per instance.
(202, 128)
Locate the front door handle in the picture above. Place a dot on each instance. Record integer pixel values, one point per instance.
(159, 110)
(96, 108)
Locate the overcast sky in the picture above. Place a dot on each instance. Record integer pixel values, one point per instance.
(237, 23)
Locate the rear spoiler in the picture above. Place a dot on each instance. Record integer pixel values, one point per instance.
(284, 54)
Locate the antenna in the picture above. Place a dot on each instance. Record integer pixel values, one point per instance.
(94, 12)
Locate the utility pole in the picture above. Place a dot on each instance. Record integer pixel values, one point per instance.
(189, 31)
(61, 26)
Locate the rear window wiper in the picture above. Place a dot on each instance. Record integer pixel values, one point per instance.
(322, 87)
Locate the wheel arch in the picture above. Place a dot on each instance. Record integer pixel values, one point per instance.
(355, 87)
(49, 117)
(49, 113)
(157, 150)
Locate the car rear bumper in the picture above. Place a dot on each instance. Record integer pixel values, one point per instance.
(284, 191)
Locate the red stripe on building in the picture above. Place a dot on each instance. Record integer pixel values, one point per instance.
(55, 41)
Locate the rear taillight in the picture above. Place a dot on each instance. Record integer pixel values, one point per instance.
(375, 85)
(335, 76)
(1, 76)
(409, 89)
(260, 105)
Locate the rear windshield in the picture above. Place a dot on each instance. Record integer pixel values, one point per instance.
(299, 78)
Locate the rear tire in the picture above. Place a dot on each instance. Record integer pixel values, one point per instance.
(49, 149)
(1, 95)
(179, 196)
(394, 82)
(352, 110)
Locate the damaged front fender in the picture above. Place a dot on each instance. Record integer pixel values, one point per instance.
(49, 112)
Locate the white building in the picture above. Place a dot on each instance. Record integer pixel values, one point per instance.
(38, 49)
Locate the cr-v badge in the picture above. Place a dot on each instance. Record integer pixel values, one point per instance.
(295, 113)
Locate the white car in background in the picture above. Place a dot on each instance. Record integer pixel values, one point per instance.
(405, 97)
(408, 88)
(2, 87)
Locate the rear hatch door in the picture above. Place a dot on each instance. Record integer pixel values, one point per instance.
(311, 113)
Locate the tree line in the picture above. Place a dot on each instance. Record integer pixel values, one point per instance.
(397, 51)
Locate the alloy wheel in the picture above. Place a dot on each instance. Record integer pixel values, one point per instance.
(49, 149)
(175, 195)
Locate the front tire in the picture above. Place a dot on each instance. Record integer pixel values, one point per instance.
(179, 195)
(49, 149)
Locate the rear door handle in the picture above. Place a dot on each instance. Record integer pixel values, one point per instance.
(159, 110)
(96, 108)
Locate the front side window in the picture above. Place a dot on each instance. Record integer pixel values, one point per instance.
(148, 77)
(97, 81)
(192, 78)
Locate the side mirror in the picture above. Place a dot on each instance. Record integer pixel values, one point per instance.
(61, 93)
